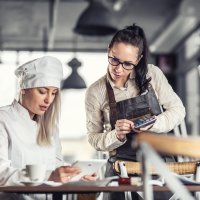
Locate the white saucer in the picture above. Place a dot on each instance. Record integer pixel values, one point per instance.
(31, 183)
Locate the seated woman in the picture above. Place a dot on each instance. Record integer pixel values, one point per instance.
(29, 126)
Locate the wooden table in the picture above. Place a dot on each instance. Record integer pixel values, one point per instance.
(58, 191)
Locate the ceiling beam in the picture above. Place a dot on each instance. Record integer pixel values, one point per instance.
(173, 34)
(183, 24)
(53, 14)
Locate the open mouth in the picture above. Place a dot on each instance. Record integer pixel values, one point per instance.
(43, 108)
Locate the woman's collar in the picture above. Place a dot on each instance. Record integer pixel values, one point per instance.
(22, 110)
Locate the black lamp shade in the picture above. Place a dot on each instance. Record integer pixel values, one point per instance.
(74, 80)
(96, 20)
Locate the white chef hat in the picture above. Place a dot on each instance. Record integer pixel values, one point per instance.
(42, 72)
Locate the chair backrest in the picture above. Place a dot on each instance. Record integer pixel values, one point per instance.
(168, 145)
(171, 145)
(150, 143)
(134, 168)
(181, 131)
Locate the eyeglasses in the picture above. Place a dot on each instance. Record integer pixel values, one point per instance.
(115, 62)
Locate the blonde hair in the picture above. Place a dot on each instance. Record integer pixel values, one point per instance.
(48, 122)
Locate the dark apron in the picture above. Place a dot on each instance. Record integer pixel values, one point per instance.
(128, 109)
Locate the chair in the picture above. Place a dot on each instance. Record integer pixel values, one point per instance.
(179, 167)
(178, 131)
(148, 142)
(181, 131)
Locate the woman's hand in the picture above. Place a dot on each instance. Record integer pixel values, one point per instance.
(92, 177)
(64, 173)
(123, 127)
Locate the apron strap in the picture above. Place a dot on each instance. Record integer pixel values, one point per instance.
(112, 104)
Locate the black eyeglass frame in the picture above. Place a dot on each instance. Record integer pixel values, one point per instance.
(122, 63)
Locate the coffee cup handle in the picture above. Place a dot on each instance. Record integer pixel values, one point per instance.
(24, 172)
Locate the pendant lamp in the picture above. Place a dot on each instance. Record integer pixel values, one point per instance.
(74, 80)
(96, 20)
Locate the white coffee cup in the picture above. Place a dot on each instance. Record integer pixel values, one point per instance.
(35, 172)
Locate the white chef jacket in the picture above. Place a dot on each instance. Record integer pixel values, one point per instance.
(18, 145)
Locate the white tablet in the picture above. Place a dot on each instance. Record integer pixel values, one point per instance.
(88, 167)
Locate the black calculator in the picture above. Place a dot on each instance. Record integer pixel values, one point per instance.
(144, 121)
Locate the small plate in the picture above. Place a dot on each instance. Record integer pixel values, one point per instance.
(31, 183)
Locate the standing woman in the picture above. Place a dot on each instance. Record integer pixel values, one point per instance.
(119, 96)
(29, 126)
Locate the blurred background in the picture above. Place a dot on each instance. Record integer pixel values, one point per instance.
(78, 32)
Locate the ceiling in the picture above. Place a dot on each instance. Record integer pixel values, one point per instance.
(49, 24)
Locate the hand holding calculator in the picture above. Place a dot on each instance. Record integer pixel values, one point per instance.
(144, 121)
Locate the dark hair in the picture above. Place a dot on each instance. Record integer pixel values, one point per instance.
(135, 36)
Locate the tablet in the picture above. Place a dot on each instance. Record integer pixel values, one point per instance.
(88, 167)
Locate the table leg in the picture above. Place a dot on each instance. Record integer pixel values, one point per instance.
(57, 196)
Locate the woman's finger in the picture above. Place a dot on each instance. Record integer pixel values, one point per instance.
(91, 177)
